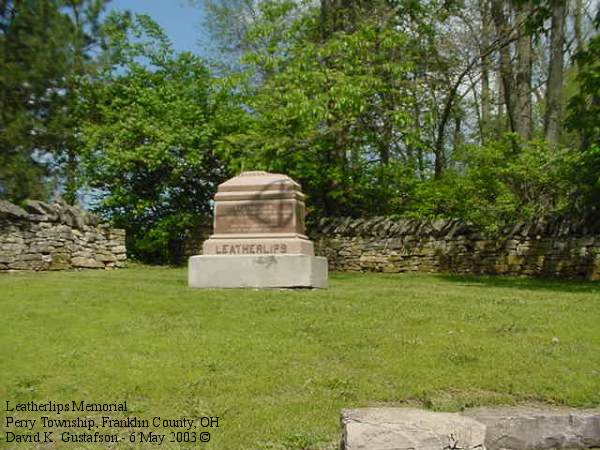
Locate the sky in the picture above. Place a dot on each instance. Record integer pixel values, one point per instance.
(181, 20)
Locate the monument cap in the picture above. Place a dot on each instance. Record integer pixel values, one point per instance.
(257, 185)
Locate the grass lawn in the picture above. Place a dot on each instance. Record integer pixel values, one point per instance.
(277, 367)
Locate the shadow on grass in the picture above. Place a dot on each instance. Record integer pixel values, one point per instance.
(531, 284)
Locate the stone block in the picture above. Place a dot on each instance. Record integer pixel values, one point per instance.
(560, 245)
(514, 260)
(41, 209)
(105, 257)
(482, 245)
(13, 248)
(20, 265)
(511, 244)
(265, 271)
(117, 233)
(522, 428)
(514, 428)
(586, 241)
(594, 273)
(42, 247)
(8, 210)
(29, 257)
(59, 261)
(403, 428)
(89, 263)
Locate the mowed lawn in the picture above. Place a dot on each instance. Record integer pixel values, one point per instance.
(277, 366)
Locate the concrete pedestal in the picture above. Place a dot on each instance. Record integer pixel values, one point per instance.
(258, 271)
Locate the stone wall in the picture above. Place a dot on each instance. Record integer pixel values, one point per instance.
(55, 237)
(193, 241)
(568, 249)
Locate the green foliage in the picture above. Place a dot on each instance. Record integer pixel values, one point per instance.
(83, 59)
(354, 114)
(32, 39)
(334, 115)
(502, 183)
(151, 122)
(22, 176)
(584, 117)
(46, 47)
(585, 106)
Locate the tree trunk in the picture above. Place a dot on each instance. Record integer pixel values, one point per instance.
(457, 137)
(70, 195)
(553, 116)
(506, 73)
(419, 147)
(577, 24)
(486, 97)
(71, 182)
(522, 111)
(501, 121)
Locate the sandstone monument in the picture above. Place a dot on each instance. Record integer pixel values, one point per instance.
(258, 238)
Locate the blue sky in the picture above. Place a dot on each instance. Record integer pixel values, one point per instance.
(181, 20)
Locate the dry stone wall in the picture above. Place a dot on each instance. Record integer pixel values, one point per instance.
(567, 249)
(56, 236)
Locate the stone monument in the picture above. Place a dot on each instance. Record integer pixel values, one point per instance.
(258, 238)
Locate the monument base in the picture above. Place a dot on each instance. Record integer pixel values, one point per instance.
(257, 271)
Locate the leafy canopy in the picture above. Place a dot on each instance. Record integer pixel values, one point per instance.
(151, 121)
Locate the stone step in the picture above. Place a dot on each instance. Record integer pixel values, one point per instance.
(514, 428)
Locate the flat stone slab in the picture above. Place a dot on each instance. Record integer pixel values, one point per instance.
(257, 271)
(515, 428)
(531, 428)
(403, 428)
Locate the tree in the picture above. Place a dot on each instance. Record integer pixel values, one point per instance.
(366, 103)
(522, 106)
(336, 115)
(486, 92)
(151, 122)
(239, 27)
(584, 118)
(516, 78)
(32, 66)
(554, 113)
(46, 49)
(85, 39)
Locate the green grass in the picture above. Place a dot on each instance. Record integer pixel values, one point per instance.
(278, 366)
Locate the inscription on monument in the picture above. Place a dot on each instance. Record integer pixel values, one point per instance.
(255, 217)
(250, 249)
